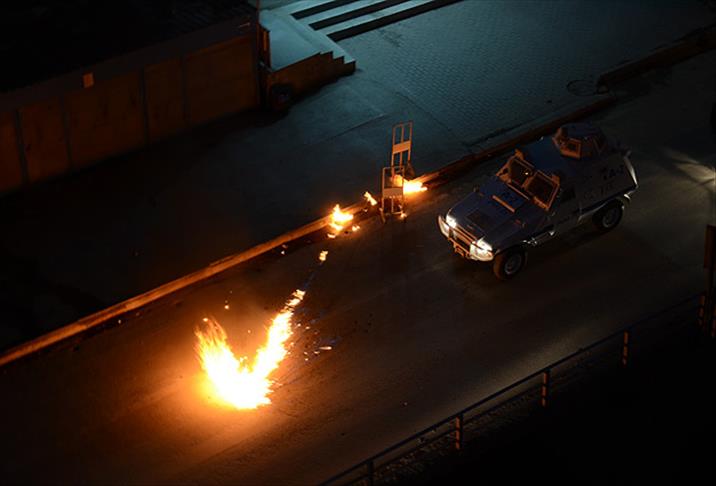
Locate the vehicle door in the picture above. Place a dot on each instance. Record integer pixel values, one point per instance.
(564, 213)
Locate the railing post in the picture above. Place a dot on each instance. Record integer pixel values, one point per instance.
(458, 432)
(625, 348)
(545, 387)
(371, 472)
(711, 327)
(707, 313)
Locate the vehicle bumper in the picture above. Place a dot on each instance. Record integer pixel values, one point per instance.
(470, 252)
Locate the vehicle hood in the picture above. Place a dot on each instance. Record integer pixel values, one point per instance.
(483, 216)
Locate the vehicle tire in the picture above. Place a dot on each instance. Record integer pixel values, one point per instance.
(509, 263)
(609, 216)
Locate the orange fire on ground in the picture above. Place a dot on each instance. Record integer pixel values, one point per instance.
(339, 220)
(409, 187)
(369, 197)
(235, 381)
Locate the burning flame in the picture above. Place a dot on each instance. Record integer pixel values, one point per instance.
(323, 255)
(409, 187)
(339, 219)
(235, 382)
(368, 197)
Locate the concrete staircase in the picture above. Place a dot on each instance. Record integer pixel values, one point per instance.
(303, 50)
(301, 57)
(340, 19)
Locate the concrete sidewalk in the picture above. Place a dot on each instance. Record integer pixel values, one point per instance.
(463, 74)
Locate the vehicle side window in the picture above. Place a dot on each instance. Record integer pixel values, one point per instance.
(572, 148)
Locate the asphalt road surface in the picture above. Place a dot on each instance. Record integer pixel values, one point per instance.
(416, 332)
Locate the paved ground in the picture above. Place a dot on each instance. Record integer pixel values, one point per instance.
(482, 66)
(416, 332)
(74, 246)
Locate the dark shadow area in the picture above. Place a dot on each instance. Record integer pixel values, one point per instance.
(46, 38)
(652, 423)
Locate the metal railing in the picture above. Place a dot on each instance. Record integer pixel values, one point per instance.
(450, 433)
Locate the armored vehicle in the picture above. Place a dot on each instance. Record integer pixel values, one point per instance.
(544, 189)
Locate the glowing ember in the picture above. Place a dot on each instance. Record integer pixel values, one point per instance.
(339, 219)
(355, 228)
(368, 197)
(322, 257)
(410, 187)
(235, 382)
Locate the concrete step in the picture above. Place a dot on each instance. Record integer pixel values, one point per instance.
(293, 41)
(300, 56)
(306, 8)
(287, 45)
(373, 20)
(343, 68)
(346, 12)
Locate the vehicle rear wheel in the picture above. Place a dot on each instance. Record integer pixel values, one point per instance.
(509, 263)
(609, 216)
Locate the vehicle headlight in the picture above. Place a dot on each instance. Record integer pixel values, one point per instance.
(451, 221)
(481, 250)
(483, 245)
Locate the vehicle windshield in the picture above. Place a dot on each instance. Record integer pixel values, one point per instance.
(541, 188)
(529, 183)
(516, 171)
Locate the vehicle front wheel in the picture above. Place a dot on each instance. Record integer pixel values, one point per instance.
(609, 216)
(509, 263)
